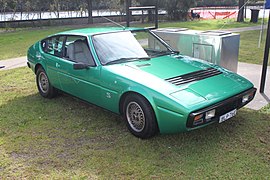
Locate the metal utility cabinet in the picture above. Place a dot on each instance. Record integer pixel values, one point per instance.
(221, 48)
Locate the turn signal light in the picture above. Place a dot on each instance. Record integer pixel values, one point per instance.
(198, 117)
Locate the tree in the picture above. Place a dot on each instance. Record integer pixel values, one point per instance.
(178, 9)
(240, 17)
(55, 7)
(148, 3)
(4, 5)
(216, 3)
(115, 5)
(90, 11)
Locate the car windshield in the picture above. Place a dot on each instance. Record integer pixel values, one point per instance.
(124, 46)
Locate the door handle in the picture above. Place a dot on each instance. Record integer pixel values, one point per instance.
(57, 65)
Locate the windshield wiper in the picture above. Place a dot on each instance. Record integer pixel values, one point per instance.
(175, 52)
(161, 53)
(123, 60)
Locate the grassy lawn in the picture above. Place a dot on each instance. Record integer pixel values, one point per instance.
(249, 51)
(64, 138)
(218, 24)
(15, 44)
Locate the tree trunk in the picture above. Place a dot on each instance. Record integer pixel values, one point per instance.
(21, 8)
(14, 13)
(240, 17)
(90, 9)
(128, 13)
(150, 16)
(40, 13)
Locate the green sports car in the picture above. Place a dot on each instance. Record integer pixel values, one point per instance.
(135, 73)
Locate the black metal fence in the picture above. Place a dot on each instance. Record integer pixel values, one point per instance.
(71, 21)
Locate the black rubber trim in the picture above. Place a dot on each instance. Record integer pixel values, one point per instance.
(222, 107)
(28, 65)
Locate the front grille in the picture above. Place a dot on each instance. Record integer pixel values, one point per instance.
(194, 76)
(223, 107)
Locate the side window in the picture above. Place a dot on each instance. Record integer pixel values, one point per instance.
(77, 50)
(53, 45)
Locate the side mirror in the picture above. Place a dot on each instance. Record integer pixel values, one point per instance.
(79, 66)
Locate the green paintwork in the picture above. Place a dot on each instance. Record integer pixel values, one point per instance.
(105, 85)
(93, 31)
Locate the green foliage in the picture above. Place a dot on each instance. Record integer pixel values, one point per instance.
(202, 3)
(178, 9)
(148, 2)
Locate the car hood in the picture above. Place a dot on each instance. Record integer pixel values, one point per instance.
(169, 66)
(157, 72)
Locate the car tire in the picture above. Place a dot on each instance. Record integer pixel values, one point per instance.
(43, 84)
(139, 116)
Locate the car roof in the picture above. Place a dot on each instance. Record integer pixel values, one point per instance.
(99, 30)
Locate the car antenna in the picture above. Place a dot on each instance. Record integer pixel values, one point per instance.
(114, 22)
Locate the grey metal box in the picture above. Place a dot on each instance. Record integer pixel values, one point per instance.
(221, 48)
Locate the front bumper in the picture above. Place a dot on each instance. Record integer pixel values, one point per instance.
(221, 108)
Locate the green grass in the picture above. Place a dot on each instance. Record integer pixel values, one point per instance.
(249, 51)
(64, 138)
(218, 24)
(15, 43)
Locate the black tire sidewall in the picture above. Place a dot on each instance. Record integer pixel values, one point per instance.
(51, 91)
(150, 128)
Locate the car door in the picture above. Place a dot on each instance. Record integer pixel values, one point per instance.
(52, 48)
(83, 82)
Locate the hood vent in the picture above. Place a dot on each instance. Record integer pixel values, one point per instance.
(194, 76)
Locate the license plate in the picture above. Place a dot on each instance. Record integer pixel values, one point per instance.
(227, 116)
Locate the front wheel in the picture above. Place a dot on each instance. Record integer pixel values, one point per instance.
(44, 87)
(139, 116)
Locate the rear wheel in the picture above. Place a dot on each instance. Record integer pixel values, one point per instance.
(139, 116)
(44, 87)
